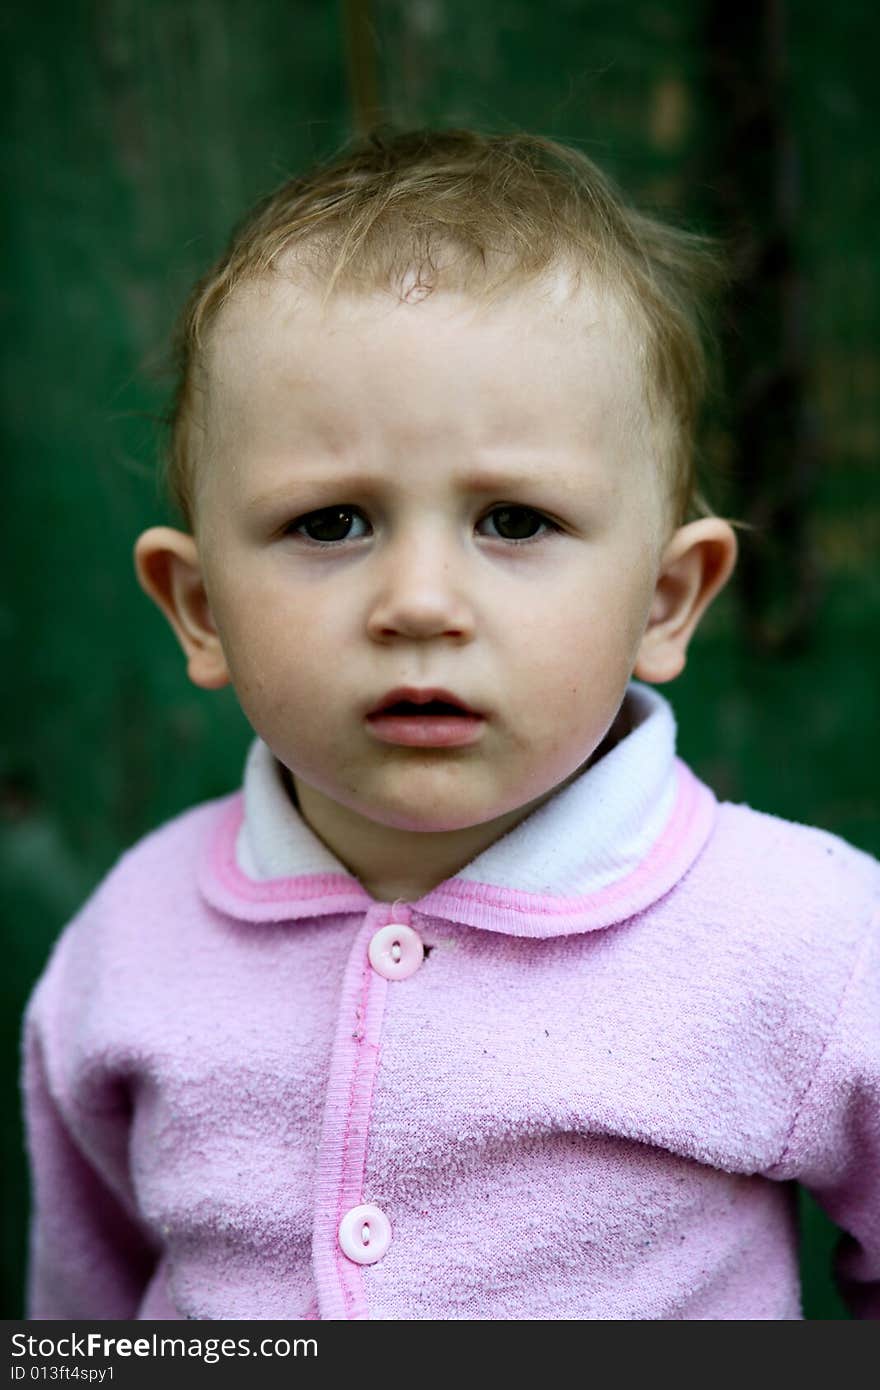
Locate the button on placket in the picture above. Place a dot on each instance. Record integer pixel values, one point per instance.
(364, 1234)
(396, 951)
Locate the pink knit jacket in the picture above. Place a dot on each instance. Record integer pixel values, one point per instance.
(576, 1080)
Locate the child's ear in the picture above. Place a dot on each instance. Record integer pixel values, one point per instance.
(696, 564)
(168, 569)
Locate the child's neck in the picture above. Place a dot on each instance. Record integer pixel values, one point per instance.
(392, 863)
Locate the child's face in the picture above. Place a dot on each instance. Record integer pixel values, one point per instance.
(426, 586)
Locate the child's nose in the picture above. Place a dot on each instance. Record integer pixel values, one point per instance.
(421, 592)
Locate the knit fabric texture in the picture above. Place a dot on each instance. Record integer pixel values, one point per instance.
(640, 1017)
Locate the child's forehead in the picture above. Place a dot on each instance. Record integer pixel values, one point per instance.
(539, 360)
(543, 346)
(559, 300)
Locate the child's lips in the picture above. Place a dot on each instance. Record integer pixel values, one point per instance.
(426, 730)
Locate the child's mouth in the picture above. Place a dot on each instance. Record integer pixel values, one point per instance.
(434, 724)
(432, 707)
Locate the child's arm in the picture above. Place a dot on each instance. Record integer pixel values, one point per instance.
(89, 1257)
(834, 1145)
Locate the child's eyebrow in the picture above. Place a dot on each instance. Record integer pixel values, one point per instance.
(485, 481)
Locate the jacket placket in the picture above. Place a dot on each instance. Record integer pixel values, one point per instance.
(353, 1227)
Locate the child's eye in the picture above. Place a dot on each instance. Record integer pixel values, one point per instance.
(329, 522)
(515, 519)
(330, 525)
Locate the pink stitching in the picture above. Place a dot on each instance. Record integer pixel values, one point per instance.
(358, 1036)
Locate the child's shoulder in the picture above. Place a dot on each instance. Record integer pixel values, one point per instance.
(172, 844)
(776, 911)
(771, 866)
(142, 898)
(165, 859)
(764, 835)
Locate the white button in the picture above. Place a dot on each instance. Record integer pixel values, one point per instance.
(365, 1234)
(396, 951)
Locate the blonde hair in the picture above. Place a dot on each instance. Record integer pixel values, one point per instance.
(512, 206)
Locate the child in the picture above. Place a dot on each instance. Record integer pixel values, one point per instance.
(477, 1013)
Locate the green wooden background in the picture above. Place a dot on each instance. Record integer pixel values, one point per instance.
(134, 135)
